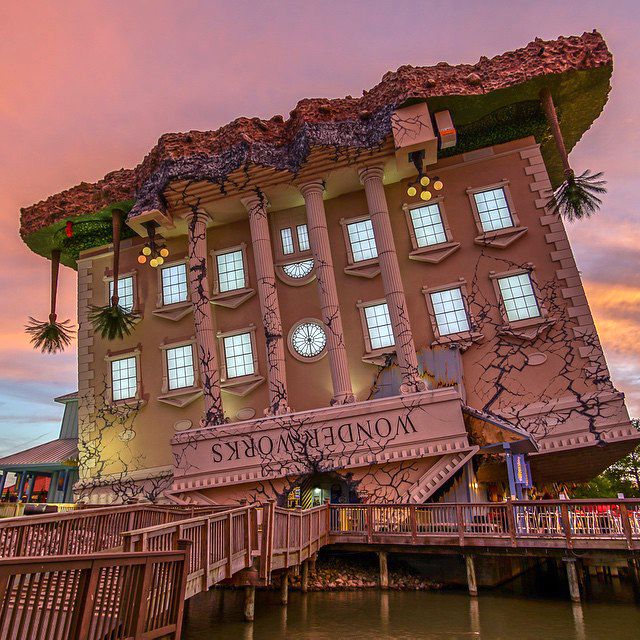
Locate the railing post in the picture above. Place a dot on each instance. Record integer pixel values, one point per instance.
(87, 600)
(511, 522)
(299, 533)
(247, 536)
(183, 545)
(414, 522)
(204, 553)
(460, 523)
(626, 525)
(368, 522)
(266, 550)
(327, 506)
(229, 570)
(566, 524)
(142, 599)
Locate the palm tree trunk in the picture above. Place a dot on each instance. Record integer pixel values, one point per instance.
(552, 119)
(55, 269)
(116, 219)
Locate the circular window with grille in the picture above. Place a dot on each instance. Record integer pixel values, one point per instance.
(308, 340)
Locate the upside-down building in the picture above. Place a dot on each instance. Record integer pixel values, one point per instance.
(369, 300)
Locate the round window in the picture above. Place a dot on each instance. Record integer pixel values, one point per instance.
(308, 339)
(297, 270)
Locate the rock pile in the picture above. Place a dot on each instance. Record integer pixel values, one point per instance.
(345, 575)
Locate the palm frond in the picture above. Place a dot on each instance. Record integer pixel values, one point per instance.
(49, 337)
(112, 321)
(578, 196)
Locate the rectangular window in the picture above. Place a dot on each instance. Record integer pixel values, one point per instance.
(180, 367)
(379, 326)
(238, 354)
(125, 293)
(427, 225)
(362, 241)
(303, 237)
(124, 378)
(449, 311)
(287, 240)
(493, 209)
(230, 271)
(518, 297)
(174, 284)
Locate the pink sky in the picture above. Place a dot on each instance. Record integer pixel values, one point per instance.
(88, 87)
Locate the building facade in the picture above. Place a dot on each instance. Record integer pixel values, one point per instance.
(369, 301)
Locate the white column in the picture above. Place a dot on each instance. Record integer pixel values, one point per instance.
(256, 206)
(371, 178)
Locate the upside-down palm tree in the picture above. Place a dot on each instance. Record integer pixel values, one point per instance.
(578, 196)
(51, 336)
(112, 321)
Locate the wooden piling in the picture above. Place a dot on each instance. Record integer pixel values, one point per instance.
(304, 577)
(572, 576)
(312, 564)
(384, 570)
(471, 575)
(249, 603)
(284, 587)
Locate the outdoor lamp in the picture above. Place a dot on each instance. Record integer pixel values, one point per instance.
(423, 181)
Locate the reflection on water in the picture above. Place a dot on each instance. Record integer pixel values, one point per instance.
(540, 614)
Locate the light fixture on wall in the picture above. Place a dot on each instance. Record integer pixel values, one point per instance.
(423, 184)
(152, 251)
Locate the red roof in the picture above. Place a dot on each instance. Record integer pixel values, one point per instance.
(55, 452)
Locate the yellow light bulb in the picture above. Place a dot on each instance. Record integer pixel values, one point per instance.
(146, 251)
(159, 260)
(424, 181)
(164, 252)
(437, 185)
(425, 195)
(153, 262)
(142, 259)
(411, 191)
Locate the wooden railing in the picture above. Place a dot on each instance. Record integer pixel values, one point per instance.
(132, 596)
(222, 544)
(523, 523)
(81, 531)
(290, 536)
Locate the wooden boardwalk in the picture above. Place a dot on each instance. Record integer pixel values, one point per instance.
(123, 573)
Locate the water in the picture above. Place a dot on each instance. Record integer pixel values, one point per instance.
(505, 614)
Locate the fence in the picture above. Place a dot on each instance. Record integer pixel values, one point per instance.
(222, 544)
(132, 596)
(81, 531)
(571, 521)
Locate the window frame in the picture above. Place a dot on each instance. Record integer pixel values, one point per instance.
(542, 318)
(369, 268)
(499, 238)
(290, 221)
(113, 356)
(165, 348)
(133, 274)
(291, 348)
(463, 338)
(175, 310)
(379, 353)
(433, 253)
(240, 385)
(235, 297)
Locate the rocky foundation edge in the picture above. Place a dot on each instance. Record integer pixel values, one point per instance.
(284, 144)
